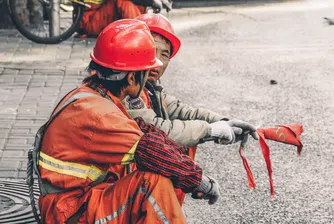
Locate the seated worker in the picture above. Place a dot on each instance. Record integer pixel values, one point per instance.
(90, 141)
(184, 124)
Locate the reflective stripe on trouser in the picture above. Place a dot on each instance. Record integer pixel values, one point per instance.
(140, 197)
(179, 193)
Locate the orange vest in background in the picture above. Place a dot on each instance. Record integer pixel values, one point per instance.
(97, 17)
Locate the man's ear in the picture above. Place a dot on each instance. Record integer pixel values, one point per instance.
(131, 78)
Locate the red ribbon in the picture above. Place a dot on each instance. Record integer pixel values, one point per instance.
(289, 134)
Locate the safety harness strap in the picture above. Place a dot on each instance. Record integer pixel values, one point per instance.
(34, 151)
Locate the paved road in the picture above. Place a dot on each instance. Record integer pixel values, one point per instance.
(226, 63)
(229, 65)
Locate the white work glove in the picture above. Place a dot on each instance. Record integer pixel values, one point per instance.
(157, 6)
(242, 128)
(207, 190)
(223, 132)
(228, 132)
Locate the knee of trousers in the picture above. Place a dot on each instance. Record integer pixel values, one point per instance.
(151, 178)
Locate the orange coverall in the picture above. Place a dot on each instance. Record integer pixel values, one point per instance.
(98, 138)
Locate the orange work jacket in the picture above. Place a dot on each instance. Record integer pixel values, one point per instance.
(91, 138)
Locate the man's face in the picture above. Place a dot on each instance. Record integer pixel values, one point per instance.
(163, 52)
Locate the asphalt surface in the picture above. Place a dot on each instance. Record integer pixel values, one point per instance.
(227, 66)
(228, 57)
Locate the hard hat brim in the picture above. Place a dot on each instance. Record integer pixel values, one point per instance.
(156, 64)
(174, 40)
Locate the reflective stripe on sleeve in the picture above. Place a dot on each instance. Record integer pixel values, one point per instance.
(129, 157)
(69, 168)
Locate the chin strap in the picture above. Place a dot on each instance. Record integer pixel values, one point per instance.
(141, 83)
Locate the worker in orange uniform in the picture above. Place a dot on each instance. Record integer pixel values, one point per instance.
(183, 123)
(103, 12)
(85, 150)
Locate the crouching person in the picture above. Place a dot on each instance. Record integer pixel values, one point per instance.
(90, 143)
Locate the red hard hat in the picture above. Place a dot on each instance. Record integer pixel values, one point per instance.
(126, 45)
(161, 25)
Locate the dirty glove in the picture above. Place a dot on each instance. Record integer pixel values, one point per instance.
(242, 128)
(223, 132)
(231, 131)
(207, 190)
(157, 6)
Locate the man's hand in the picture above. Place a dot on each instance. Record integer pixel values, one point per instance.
(207, 190)
(228, 132)
(242, 128)
(223, 132)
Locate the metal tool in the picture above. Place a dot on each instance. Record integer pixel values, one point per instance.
(207, 139)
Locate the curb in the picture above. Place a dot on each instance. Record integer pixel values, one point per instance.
(187, 8)
(211, 3)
